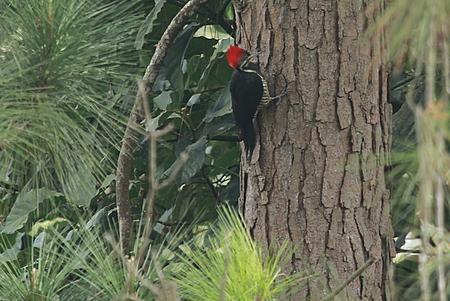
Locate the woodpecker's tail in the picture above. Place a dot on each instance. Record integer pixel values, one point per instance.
(248, 135)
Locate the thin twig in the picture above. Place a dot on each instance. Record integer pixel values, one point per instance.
(130, 139)
(133, 270)
(430, 76)
(153, 183)
(151, 173)
(356, 274)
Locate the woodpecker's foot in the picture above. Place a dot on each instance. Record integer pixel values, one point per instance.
(267, 101)
(278, 97)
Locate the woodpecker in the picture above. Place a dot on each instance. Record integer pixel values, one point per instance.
(249, 93)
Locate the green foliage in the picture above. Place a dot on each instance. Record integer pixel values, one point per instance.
(417, 33)
(26, 203)
(65, 66)
(191, 93)
(147, 25)
(79, 263)
(66, 78)
(41, 279)
(104, 273)
(66, 86)
(409, 25)
(233, 266)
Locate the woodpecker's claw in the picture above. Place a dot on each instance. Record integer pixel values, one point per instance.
(279, 96)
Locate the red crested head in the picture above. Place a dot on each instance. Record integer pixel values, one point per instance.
(235, 55)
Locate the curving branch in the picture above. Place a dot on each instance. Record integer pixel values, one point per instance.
(131, 136)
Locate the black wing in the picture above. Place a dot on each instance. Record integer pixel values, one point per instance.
(246, 92)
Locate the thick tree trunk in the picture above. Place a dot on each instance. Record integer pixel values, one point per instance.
(317, 176)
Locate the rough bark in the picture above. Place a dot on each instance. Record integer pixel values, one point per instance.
(317, 174)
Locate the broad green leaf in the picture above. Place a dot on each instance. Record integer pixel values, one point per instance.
(195, 67)
(229, 12)
(96, 218)
(81, 188)
(196, 153)
(212, 32)
(174, 115)
(221, 107)
(39, 240)
(193, 100)
(46, 224)
(147, 25)
(163, 100)
(201, 46)
(165, 218)
(218, 126)
(173, 63)
(153, 124)
(216, 57)
(11, 253)
(26, 203)
(90, 224)
(196, 158)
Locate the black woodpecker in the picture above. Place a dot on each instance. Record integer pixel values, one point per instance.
(249, 93)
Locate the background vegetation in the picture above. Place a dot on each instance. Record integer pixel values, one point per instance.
(68, 80)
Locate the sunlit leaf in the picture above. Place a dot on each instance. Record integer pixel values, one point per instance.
(108, 180)
(193, 100)
(46, 224)
(163, 100)
(26, 203)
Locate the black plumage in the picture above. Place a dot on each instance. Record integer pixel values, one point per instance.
(247, 90)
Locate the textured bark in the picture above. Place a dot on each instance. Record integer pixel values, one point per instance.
(317, 174)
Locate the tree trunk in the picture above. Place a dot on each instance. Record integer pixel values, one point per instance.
(316, 177)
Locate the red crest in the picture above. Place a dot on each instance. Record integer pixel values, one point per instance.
(235, 55)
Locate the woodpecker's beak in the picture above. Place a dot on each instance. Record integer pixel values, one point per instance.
(254, 55)
(250, 57)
